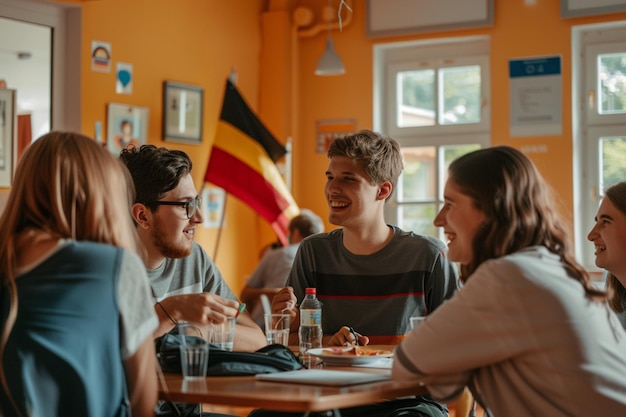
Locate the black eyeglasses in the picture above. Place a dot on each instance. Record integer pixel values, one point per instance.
(190, 206)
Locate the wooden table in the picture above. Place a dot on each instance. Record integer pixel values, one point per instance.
(247, 391)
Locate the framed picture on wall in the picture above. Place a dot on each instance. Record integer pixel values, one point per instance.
(7, 135)
(182, 112)
(127, 126)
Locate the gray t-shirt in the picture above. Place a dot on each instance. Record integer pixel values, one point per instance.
(192, 274)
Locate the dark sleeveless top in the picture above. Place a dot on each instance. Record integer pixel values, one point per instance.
(63, 355)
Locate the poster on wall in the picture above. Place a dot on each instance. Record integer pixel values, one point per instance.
(536, 99)
(124, 78)
(100, 56)
(127, 126)
(329, 129)
(213, 199)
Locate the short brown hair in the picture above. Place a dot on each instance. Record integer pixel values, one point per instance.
(306, 223)
(379, 156)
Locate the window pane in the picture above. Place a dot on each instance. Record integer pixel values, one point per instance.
(418, 180)
(613, 161)
(611, 70)
(416, 98)
(417, 199)
(418, 218)
(460, 89)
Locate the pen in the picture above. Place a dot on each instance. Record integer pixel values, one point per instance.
(356, 339)
(240, 310)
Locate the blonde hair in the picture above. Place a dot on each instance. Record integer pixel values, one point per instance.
(69, 186)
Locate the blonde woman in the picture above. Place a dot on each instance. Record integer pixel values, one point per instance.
(76, 315)
(608, 236)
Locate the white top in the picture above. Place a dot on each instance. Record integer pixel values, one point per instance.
(525, 339)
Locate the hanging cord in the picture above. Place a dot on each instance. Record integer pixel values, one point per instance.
(343, 3)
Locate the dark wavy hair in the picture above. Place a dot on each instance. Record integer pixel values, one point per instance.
(155, 171)
(519, 209)
(617, 293)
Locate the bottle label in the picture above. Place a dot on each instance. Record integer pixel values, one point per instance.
(310, 317)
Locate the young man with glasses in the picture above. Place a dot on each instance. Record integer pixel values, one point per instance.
(186, 284)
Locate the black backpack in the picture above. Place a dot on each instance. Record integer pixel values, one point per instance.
(268, 359)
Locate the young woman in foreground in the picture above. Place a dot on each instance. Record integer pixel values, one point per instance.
(76, 314)
(528, 333)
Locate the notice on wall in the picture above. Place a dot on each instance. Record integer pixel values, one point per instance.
(213, 201)
(536, 96)
(329, 129)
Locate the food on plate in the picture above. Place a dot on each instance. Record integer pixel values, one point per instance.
(355, 351)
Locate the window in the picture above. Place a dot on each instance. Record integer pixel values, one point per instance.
(419, 193)
(433, 98)
(599, 124)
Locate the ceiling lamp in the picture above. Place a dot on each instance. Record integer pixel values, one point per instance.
(329, 63)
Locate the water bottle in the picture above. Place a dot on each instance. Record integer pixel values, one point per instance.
(310, 332)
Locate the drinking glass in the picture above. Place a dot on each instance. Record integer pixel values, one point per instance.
(277, 328)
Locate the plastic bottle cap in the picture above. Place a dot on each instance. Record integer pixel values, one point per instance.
(310, 291)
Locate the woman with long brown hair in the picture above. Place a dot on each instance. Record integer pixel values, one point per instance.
(76, 316)
(529, 334)
(609, 238)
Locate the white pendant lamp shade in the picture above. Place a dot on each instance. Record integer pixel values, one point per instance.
(330, 63)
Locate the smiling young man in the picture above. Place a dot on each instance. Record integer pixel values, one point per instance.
(369, 275)
(185, 282)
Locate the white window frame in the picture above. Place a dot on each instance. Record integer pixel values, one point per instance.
(588, 127)
(389, 59)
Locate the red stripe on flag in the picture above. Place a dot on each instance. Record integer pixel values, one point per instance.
(230, 173)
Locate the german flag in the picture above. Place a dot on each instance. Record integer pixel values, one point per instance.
(243, 163)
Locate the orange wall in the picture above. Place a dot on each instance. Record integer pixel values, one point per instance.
(200, 41)
(519, 31)
(190, 41)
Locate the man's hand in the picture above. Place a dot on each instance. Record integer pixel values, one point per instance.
(203, 308)
(346, 337)
(285, 302)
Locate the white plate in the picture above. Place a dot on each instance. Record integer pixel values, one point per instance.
(346, 360)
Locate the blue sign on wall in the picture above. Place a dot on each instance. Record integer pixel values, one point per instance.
(535, 67)
(536, 97)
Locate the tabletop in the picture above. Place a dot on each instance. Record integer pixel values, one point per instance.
(248, 391)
